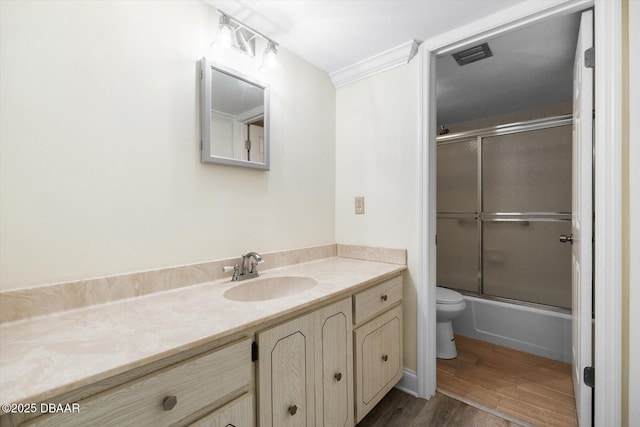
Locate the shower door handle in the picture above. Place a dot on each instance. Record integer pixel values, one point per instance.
(566, 239)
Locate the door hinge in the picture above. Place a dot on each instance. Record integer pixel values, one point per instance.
(590, 57)
(254, 351)
(590, 376)
(201, 74)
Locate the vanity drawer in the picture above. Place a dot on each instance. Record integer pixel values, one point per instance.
(238, 413)
(377, 299)
(195, 383)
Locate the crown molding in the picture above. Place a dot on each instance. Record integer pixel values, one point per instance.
(383, 61)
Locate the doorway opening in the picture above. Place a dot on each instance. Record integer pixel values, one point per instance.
(495, 251)
(504, 197)
(607, 189)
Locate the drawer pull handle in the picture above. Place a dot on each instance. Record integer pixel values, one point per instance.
(293, 409)
(169, 402)
(385, 358)
(384, 297)
(338, 376)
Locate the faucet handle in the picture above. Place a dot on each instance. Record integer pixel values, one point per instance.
(236, 271)
(228, 268)
(254, 264)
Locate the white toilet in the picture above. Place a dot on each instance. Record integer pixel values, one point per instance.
(449, 304)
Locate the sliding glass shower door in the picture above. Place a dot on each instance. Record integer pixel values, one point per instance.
(458, 231)
(503, 200)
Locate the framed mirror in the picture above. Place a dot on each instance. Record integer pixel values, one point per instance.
(234, 118)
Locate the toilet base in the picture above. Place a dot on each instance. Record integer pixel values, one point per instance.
(445, 342)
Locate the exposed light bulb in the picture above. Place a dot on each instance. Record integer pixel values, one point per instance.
(270, 58)
(225, 34)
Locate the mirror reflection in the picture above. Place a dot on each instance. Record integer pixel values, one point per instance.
(234, 118)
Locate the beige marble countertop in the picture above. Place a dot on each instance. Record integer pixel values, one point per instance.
(53, 354)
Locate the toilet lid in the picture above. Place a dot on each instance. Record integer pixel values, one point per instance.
(447, 296)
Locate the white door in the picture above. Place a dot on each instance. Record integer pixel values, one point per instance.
(581, 223)
(256, 134)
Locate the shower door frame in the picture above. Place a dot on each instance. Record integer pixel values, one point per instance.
(607, 187)
(481, 216)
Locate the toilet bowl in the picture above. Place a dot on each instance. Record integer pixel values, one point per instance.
(449, 304)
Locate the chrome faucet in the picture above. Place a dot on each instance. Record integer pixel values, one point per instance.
(246, 258)
(243, 273)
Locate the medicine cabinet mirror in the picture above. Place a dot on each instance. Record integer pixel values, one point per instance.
(235, 118)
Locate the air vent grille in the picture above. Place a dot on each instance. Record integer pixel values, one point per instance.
(473, 54)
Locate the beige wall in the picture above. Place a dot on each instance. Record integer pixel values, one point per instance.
(377, 157)
(99, 127)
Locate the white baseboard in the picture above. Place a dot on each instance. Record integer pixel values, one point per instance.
(408, 383)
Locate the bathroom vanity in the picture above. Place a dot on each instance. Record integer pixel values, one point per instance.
(321, 356)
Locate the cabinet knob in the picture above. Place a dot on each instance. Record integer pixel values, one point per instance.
(385, 357)
(338, 376)
(293, 409)
(384, 297)
(169, 402)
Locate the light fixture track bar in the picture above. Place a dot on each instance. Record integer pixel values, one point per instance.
(246, 27)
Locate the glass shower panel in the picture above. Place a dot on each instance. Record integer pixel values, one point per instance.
(457, 253)
(524, 260)
(457, 177)
(528, 171)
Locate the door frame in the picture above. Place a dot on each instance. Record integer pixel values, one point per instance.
(607, 187)
(633, 359)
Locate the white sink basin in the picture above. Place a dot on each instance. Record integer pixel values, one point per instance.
(263, 289)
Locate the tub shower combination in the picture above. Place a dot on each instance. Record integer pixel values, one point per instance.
(504, 200)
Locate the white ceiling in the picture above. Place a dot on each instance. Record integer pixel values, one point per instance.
(234, 96)
(333, 34)
(530, 67)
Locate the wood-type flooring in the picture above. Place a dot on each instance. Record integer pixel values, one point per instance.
(522, 386)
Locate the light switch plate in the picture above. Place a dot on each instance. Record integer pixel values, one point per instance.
(360, 205)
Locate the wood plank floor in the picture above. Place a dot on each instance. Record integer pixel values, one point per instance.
(522, 386)
(398, 409)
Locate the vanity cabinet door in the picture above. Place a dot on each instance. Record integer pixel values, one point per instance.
(286, 374)
(334, 365)
(378, 350)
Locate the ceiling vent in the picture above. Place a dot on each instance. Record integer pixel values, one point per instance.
(473, 54)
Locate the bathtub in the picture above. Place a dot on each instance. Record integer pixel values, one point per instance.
(533, 330)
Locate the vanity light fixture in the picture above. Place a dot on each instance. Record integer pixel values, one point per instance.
(233, 34)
